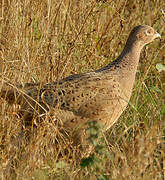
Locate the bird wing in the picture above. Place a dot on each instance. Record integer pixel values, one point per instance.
(86, 95)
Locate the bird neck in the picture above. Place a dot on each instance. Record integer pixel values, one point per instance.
(127, 61)
(129, 58)
(125, 67)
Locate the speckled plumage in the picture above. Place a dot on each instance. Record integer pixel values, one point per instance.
(101, 95)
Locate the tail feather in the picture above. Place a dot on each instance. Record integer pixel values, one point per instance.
(27, 97)
(18, 94)
(14, 93)
(10, 94)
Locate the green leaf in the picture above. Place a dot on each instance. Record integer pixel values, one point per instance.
(103, 177)
(160, 67)
(60, 165)
(163, 110)
(87, 161)
(156, 89)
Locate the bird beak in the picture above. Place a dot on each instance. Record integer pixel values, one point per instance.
(157, 35)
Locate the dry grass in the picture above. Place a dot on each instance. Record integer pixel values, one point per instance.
(47, 40)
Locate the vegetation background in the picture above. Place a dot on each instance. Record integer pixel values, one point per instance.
(50, 39)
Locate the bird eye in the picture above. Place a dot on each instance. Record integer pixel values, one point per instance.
(148, 32)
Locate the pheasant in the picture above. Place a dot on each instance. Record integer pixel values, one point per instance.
(101, 95)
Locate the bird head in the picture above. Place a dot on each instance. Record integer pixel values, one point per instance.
(143, 35)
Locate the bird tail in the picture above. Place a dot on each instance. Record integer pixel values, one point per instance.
(11, 93)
